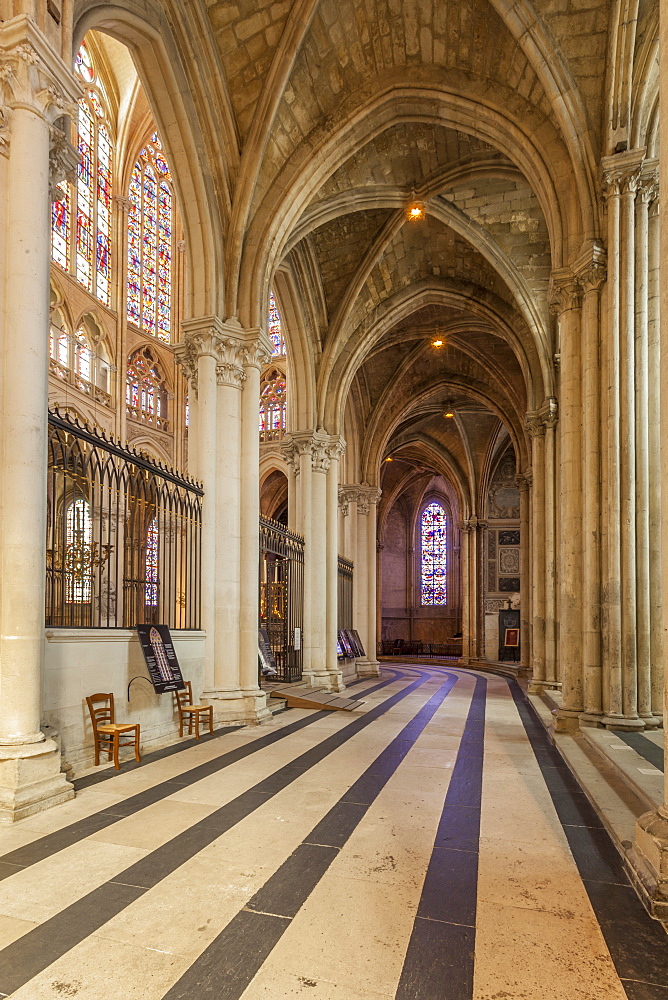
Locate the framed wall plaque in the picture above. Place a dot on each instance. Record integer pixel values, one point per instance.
(163, 665)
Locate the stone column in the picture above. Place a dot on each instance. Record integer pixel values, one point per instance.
(317, 576)
(591, 269)
(621, 174)
(536, 429)
(226, 687)
(649, 855)
(367, 502)
(524, 482)
(257, 352)
(646, 193)
(36, 89)
(655, 564)
(122, 208)
(550, 418)
(335, 449)
(467, 631)
(567, 301)
(472, 538)
(198, 355)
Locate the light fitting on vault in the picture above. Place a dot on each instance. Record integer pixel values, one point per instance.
(415, 211)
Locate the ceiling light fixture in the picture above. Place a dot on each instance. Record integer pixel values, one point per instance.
(389, 459)
(415, 211)
(448, 414)
(437, 343)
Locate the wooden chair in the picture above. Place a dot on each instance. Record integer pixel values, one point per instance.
(185, 706)
(107, 734)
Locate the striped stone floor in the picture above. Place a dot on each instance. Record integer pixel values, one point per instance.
(430, 846)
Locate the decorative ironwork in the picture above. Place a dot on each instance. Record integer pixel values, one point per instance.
(123, 535)
(282, 596)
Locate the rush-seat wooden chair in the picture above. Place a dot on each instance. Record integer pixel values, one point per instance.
(107, 733)
(185, 706)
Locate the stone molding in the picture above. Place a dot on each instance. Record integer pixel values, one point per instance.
(232, 348)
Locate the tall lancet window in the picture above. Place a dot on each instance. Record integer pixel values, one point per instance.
(150, 242)
(272, 405)
(151, 564)
(275, 329)
(79, 553)
(81, 217)
(433, 555)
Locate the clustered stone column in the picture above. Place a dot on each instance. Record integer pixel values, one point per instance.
(314, 460)
(524, 483)
(631, 602)
(365, 558)
(649, 855)
(222, 362)
(37, 89)
(472, 530)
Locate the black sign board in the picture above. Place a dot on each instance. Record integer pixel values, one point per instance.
(360, 647)
(158, 650)
(344, 642)
(266, 657)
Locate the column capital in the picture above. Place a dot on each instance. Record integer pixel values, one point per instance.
(122, 202)
(33, 77)
(648, 186)
(63, 159)
(565, 291)
(347, 495)
(590, 267)
(534, 423)
(524, 480)
(620, 172)
(473, 524)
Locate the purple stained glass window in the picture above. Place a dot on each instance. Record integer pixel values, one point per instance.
(433, 555)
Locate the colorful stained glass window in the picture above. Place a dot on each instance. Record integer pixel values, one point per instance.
(84, 64)
(151, 564)
(61, 226)
(83, 357)
(79, 553)
(272, 405)
(433, 555)
(150, 243)
(146, 391)
(275, 328)
(86, 206)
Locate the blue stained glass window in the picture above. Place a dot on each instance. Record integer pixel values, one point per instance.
(433, 555)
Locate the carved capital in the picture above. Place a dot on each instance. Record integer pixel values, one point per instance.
(591, 266)
(524, 481)
(63, 158)
(186, 358)
(535, 423)
(230, 362)
(367, 496)
(347, 495)
(320, 457)
(620, 172)
(565, 291)
(32, 75)
(122, 203)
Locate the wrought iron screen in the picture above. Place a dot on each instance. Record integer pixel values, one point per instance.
(123, 535)
(345, 594)
(282, 595)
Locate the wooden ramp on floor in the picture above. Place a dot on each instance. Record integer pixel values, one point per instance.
(303, 696)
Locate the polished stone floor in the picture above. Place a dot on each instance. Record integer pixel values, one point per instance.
(430, 846)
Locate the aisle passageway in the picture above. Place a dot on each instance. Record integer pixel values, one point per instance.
(430, 846)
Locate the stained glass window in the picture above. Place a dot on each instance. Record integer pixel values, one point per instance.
(83, 357)
(433, 555)
(275, 327)
(79, 553)
(150, 239)
(151, 564)
(146, 391)
(86, 206)
(272, 405)
(61, 226)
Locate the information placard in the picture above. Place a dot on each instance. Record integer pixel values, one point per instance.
(163, 665)
(360, 647)
(265, 654)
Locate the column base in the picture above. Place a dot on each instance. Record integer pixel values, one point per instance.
(331, 680)
(627, 725)
(237, 705)
(591, 719)
(652, 721)
(537, 687)
(31, 780)
(367, 668)
(566, 720)
(648, 863)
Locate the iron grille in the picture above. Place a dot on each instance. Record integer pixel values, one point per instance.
(282, 596)
(123, 535)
